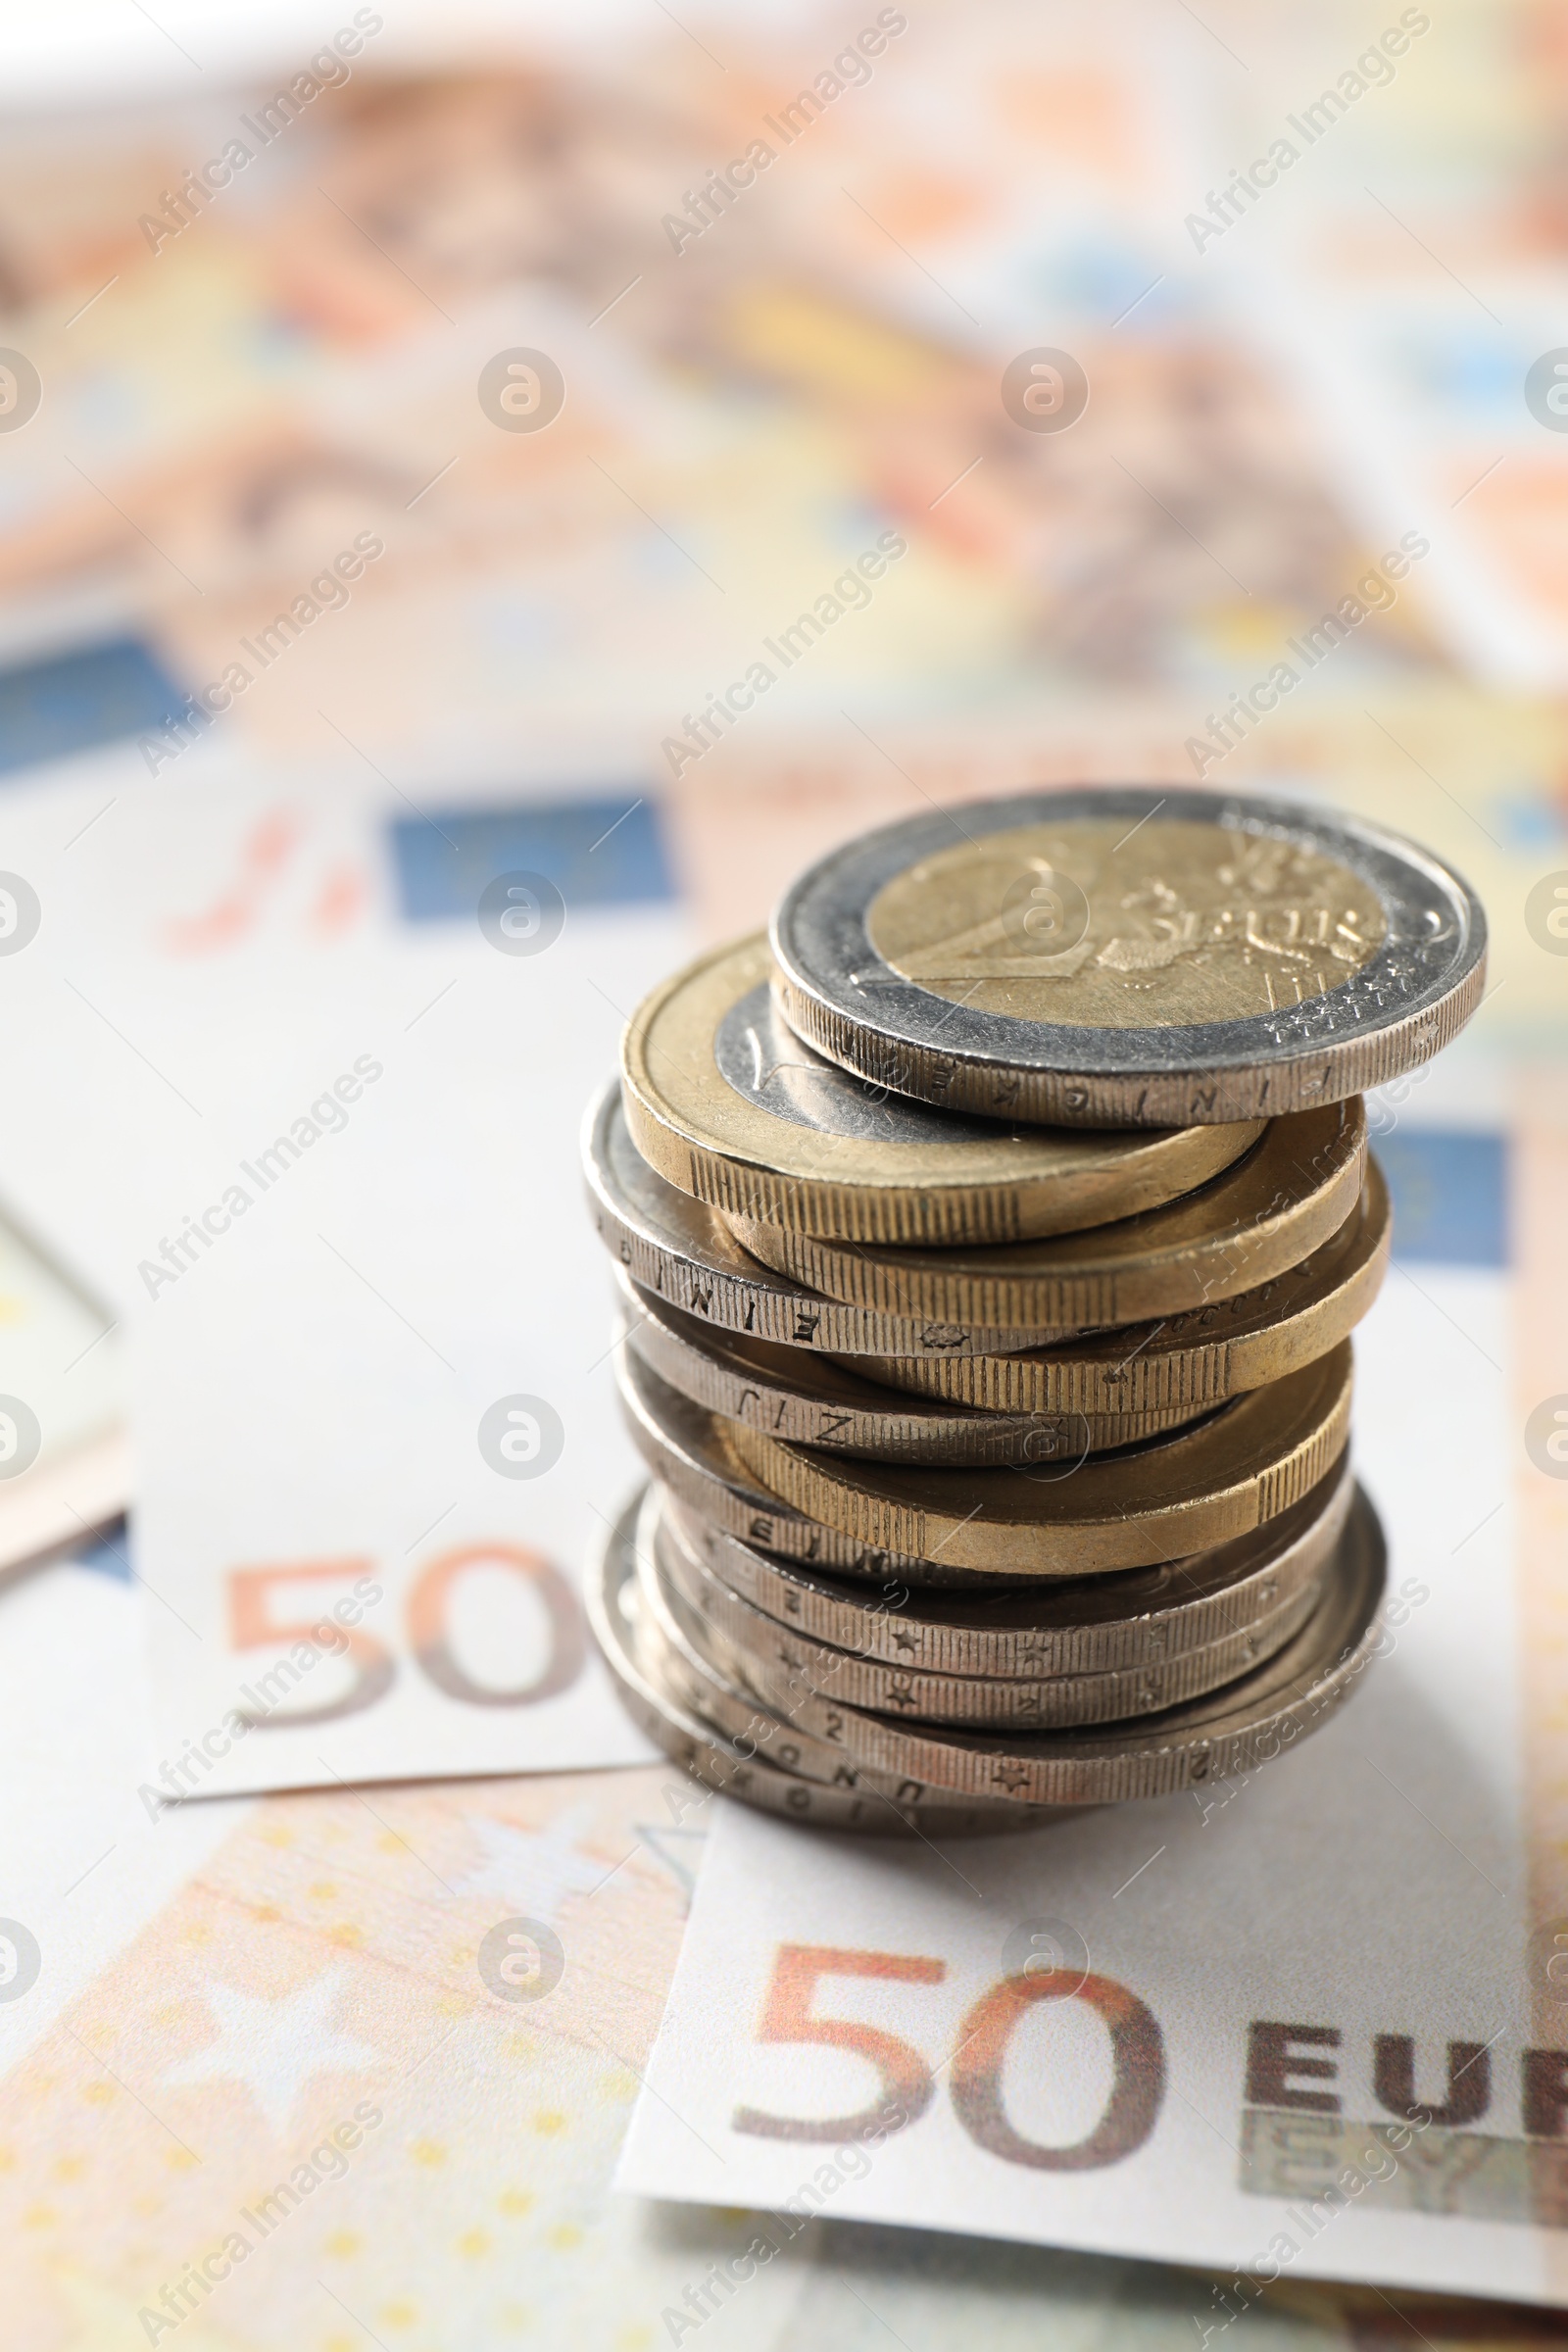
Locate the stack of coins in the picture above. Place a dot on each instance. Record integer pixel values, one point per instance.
(988, 1239)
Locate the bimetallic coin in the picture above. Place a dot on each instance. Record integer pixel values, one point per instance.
(843, 1798)
(793, 1393)
(1288, 1195)
(1132, 957)
(690, 1450)
(675, 1246)
(1099, 1624)
(1201, 1486)
(1197, 1359)
(1233, 1729)
(725, 1102)
(776, 1663)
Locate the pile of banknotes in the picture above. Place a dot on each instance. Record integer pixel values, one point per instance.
(1301, 540)
(999, 1462)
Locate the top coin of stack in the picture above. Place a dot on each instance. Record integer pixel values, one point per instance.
(996, 1225)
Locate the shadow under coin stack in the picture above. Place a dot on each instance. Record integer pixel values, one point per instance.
(987, 1243)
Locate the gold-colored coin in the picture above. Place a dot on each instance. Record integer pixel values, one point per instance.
(724, 1101)
(1293, 1189)
(1197, 1487)
(1197, 1359)
(776, 1663)
(1247, 1723)
(690, 1450)
(1177, 923)
(684, 1250)
(1066, 1626)
(793, 1393)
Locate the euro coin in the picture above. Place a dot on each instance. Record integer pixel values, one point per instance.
(1143, 956)
(1293, 1189)
(1194, 1359)
(1197, 1486)
(1091, 1626)
(765, 1764)
(793, 1393)
(725, 1102)
(690, 1450)
(775, 1662)
(1227, 1732)
(674, 1246)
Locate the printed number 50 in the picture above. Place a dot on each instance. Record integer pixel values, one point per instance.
(905, 2076)
(252, 1626)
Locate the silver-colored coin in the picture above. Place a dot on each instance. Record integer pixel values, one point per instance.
(744, 1767)
(1128, 957)
(1121, 1623)
(796, 1393)
(683, 1680)
(1229, 1731)
(760, 1056)
(689, 1448)
(677, 1665)
(682, 1251)
(777, 1663)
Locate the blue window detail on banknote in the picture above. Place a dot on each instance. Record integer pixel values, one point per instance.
(1450, 1196)
(107, 1553)
(72, 702)
(599, 853)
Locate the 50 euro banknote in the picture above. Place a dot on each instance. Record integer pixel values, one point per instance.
(353, 2066)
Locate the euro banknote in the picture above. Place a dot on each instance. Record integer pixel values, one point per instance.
(343, 2065)
(319, 1158)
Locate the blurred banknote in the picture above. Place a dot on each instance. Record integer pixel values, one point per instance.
(237, 402)
(359, 1547)
(320, 1156)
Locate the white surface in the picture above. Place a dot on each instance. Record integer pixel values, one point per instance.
(107, 50)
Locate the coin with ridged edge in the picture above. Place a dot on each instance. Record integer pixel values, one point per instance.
(688, 1672)
(684, 1251)
(727, 1102)
(775, 1662)
(1129, 956)
(1095, 1625)
(793, 1393)
(690, 1450)
(841, 1799)
(1199, 1487)
(1293, 1189)
(1196, 1359)
(1248, 1722)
